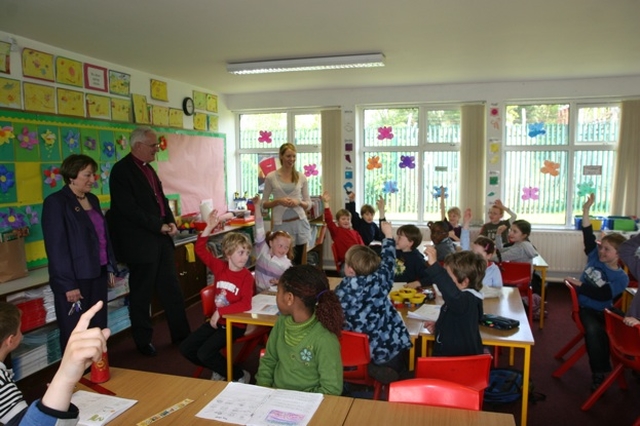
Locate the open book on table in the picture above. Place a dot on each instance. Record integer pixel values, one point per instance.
(97, 409)
(245, 404)
(426, 312)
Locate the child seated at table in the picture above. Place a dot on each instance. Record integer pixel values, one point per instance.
(363, 223)
(12, 402)
(457, 330)
(602, 281)
(303, 351)
(364, 295)
(496, 213)
(450, 217)
(274, 252)
(410, 265)
(628, 254)
(441, 241)
(234, 290)
(342, 234)
(485, 247)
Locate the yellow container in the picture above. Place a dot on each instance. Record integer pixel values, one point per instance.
(407, 292)
(417, 299)
(396, 297)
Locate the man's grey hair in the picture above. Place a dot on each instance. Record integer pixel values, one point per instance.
(139, 135)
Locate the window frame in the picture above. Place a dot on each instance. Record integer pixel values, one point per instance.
(291, 120)
(423, 146)
(572, 147)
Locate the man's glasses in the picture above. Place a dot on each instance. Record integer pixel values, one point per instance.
(153, 145)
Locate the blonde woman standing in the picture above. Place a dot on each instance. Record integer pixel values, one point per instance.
(290, 200)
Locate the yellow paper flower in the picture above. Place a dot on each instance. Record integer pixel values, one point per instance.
(494, 147)
(6, 134)
(49, 138)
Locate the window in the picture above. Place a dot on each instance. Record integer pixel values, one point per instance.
(406, 165)
(555, 154)
(260, 138)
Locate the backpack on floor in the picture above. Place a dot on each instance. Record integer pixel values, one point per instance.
(505, 386)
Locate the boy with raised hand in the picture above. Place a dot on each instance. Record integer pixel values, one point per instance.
(364, 296)
(84, 347)
(342, 234)
(363, 223)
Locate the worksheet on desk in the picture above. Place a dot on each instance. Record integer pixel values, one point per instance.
(252, 405)
(264, 304)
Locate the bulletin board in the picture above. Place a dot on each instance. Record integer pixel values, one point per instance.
(32, 147)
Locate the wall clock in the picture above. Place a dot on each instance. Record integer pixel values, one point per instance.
(188, 106)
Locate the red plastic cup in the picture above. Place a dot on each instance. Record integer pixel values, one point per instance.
(100, 370)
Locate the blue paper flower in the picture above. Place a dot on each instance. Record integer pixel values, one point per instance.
(437, 190)
(108, 149)
(536, 129)
(14, 219)
(390, 187)
(7, 179)
(71, 139)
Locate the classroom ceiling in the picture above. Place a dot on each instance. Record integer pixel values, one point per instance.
(425, 41)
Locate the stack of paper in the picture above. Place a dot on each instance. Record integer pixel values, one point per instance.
(118, 316)
(28, 359)
(97, 409)
(246, 404)
(426, 313)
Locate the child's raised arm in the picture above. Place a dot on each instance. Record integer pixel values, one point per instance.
(326, 197)
(260, 233)
(386, 229)
(85, 346)
(512, 215)
(380, 203)
(464, 233)
(586, 207)
(443, 208)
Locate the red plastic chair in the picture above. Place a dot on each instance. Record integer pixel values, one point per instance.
(471, 371)
(624, 343)
(575, 315)
(518, 274)
(435, 392)
(335, 256)
(356, 356)
(249, 341)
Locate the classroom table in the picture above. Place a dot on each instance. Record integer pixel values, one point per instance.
(414, 327)
(509, 305)
(369, 412)
(156, 392)
(541, 266)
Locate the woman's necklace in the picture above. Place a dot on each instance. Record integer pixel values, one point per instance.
(80, 197)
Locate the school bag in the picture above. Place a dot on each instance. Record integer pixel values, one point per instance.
(505, 386)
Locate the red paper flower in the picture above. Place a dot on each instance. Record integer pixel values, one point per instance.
(385, 133)
(265, 136)
(163, 143)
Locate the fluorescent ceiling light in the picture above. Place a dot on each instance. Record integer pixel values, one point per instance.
(308, 64)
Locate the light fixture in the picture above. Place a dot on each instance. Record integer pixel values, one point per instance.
(369, 60)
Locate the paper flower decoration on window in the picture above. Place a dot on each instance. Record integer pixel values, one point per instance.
(28, 139)
(550, 168)
(49, 138)
(6, 134)
(106, 171)
(71, 139)
(407, 161)
(90, 143)
(390, 187)
(7, 179)
(12, 219)
(530, 193)
(162, 140)
(52, 176)
(385, 133)
(536, 129)
(310, 170)
(586, 188)
(437, 190)
(108, 149)
(32, 215)
(265, 137)
(122, 141)
(374, 163)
